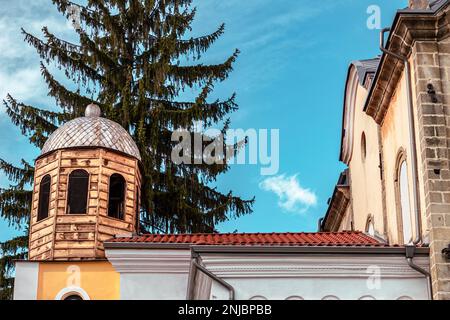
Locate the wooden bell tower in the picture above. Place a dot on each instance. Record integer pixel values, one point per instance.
(86, 189)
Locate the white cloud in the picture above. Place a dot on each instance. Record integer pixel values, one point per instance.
(292, 197)
(20, 73)
(23, 84)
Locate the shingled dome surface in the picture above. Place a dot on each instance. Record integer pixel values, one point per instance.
(92, 131)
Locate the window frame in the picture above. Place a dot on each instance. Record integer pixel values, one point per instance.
(402, 160)
(370, 223)
(70, 291)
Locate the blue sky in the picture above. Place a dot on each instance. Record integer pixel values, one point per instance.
(289, 76)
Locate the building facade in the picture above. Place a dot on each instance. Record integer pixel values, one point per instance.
(395, 140)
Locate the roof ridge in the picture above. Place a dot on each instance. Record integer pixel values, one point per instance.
(252, 233)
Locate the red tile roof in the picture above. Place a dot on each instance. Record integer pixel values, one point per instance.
(259, 239)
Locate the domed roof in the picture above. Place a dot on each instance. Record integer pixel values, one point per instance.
(92, 131)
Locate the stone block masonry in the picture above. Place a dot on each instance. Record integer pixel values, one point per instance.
(431, 63)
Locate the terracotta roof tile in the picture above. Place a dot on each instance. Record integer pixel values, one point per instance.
(259, 239)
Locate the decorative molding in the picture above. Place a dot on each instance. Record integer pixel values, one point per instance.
(149, 261)
(258, 298)
(408, 28)
(330, 297)
(349, 115)
(252, 266)
(68, 291)
(294, 298)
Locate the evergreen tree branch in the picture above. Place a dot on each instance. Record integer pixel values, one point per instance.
(15, 206)
(14, 245)
(21, 176)
(199, 45)
(71, 102)
(73, 61)
(35, 123)
(201, 74)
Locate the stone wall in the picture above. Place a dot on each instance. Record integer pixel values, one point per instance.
(431, 69)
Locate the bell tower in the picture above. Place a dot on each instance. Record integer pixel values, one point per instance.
(86, 189)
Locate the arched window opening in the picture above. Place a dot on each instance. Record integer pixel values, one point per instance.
(258, 298)
(367, 298)
(44, 198)
(294, 298)
(404, 202)
(370, 227)
(78, 192)
(330, 298)
(116, 203)
(72, 293)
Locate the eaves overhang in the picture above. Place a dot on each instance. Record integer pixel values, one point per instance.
(388, 250)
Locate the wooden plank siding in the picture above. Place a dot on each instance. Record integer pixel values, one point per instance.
(80, 236)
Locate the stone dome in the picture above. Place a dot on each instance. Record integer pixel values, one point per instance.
(92, 131)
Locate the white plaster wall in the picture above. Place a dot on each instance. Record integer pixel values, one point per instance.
(317, 277)
(140, 286)
(316, 288)
(26, 280)
(149, 274)
(163, 274)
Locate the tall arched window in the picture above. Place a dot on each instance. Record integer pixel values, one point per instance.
(404, 201)
(116, 203)
(44, 198)
(78, 192)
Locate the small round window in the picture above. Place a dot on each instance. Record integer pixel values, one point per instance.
(363, 147)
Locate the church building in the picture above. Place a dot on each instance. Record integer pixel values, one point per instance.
(385, 235)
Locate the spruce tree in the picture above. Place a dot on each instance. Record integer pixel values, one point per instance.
(134, 58)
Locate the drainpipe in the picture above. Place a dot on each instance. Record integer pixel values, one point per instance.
(319, 225)
(412, 135)
(410, 250)
(195, 266)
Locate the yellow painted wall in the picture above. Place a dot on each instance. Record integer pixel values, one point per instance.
(366, 185)
(395, 136)
(97, 278)
(346, 223)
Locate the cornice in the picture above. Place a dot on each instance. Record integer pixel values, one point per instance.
(336, 210)
(150, 261)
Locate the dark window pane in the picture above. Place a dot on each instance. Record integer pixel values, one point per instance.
(78, 192)
(73, 297)
(116, 203)
(44, 198)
